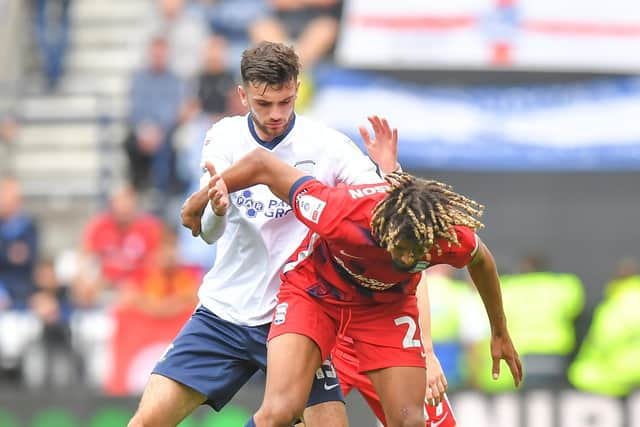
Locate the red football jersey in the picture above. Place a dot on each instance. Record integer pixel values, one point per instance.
(340, 260)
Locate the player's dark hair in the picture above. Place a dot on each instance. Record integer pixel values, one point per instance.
(273, 64)
(423, 211)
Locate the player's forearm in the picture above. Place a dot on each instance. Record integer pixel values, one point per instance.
(192, 210)
(261, 167)
(424, 310)
(485, 277)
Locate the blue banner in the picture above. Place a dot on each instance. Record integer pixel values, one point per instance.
(591, 125)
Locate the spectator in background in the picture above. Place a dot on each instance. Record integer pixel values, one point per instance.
(234, 20)
(185, 29)
(117, 245)
(207, 105)
(311, 25)
(215, 81)
(547, 342)
(18, 245)
(150, 310)
(164, 287)
(214, 97)
(156, 106)
(607, 361)
(18, 257)
(52, 35)
(51, 360)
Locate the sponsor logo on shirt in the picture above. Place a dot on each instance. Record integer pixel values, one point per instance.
(367, 191)
(270, 208)
(281, 313)
(310, 207)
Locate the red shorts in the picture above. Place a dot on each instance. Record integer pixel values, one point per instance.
(345, 361)
(384, 335)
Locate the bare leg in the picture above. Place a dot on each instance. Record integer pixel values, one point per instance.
(401, 391)
(333, 414)
(165, 403)
(292, 360)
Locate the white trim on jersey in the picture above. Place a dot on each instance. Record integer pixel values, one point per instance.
(302, 255)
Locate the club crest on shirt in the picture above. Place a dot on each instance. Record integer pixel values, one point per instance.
(281, 313)
(306, 166)
(310, 207)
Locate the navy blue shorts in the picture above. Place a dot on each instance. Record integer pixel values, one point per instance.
(216, 358)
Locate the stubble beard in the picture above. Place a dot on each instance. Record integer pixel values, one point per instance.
(269, 132)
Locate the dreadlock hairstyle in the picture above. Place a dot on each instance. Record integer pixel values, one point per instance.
(422, 210)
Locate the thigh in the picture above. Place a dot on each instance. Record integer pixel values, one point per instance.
(301, 336)
(292, 360)
(387, 336)
(213, 356)
(401, 392)
(348, 368)
(166, 402)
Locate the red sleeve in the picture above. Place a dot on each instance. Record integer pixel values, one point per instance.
(318, 206)
(457, 255)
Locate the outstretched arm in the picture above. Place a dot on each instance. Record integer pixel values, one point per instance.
(485, 277)
(436, 380)
(256, 167)
(261, 167)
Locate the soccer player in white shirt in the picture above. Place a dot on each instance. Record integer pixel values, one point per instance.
(224, 342)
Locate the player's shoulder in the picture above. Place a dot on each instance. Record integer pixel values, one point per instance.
(330, 138)
(319, 128)
(466, 234)
(228, 125)
(225, 131)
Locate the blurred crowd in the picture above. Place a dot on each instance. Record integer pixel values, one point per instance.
(178, 94)
(85, 315)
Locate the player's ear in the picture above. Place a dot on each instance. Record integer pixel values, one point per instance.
(243, 96)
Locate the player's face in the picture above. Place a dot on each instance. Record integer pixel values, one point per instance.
(406, 254)
(271, 108)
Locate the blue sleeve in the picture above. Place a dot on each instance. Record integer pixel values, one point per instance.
(297, 185)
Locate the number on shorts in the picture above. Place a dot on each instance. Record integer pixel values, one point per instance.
(409, 340)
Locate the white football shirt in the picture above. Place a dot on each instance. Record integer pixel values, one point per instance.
(261, 231)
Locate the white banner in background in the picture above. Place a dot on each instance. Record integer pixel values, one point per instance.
(579, 126)
(592, 35)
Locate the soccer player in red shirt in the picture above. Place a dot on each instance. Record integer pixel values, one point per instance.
(356, 274)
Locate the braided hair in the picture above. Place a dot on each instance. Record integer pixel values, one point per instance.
(422, 210)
